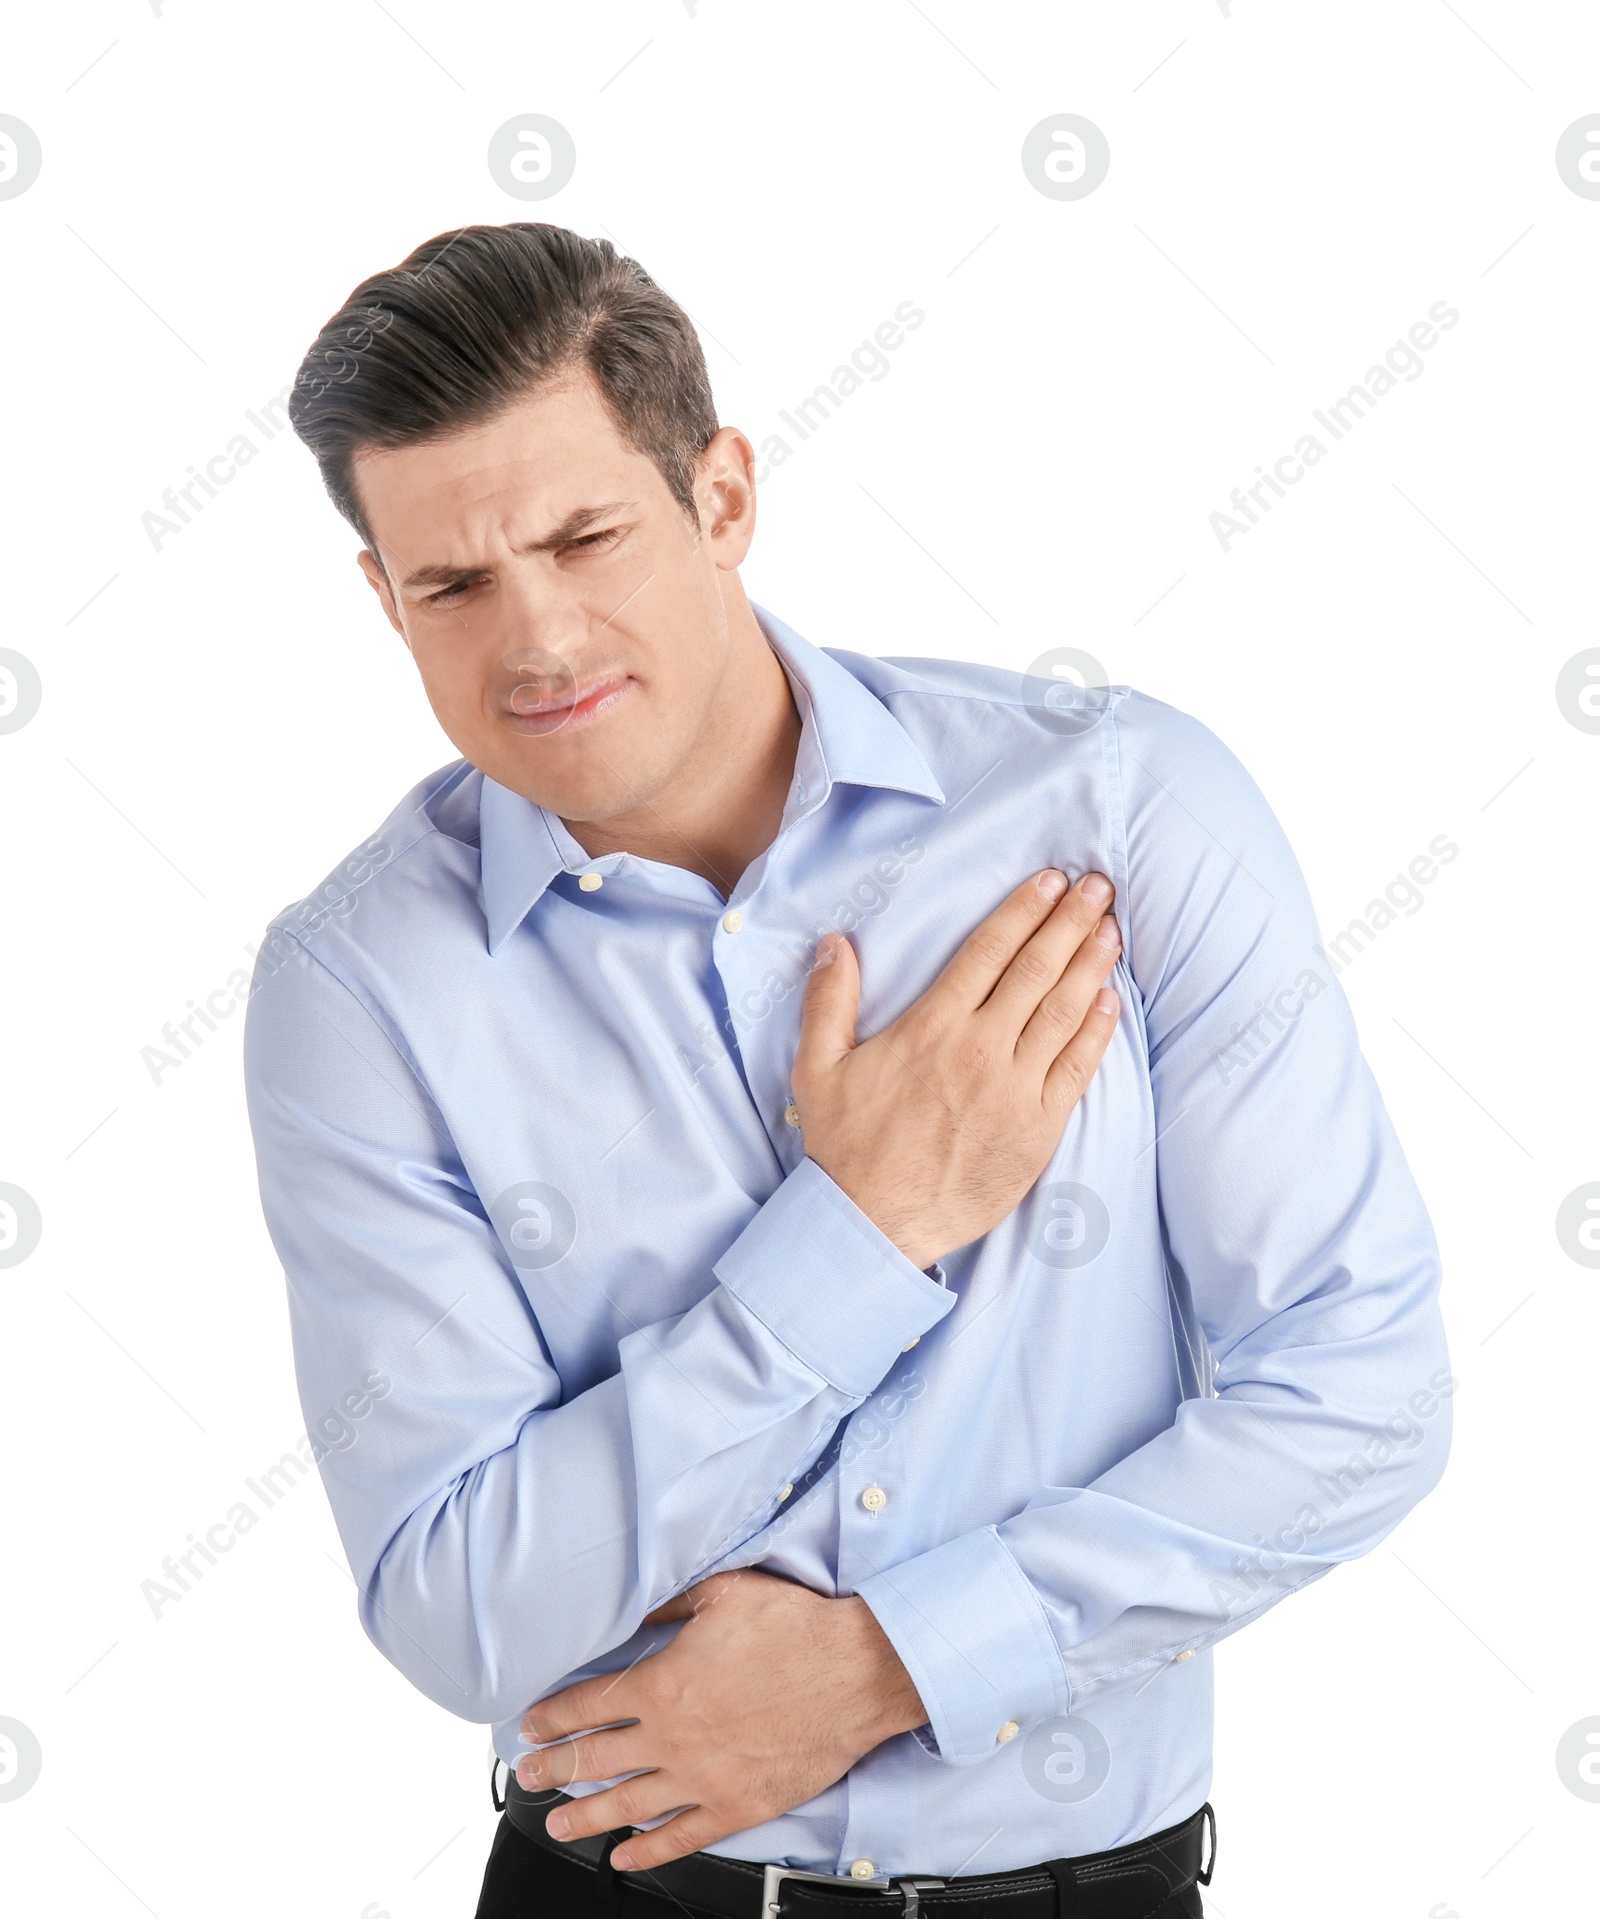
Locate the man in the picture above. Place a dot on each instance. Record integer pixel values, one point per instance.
(827, 1322)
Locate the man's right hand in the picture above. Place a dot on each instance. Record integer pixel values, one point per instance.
(937, 1126)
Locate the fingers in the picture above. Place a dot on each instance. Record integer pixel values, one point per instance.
(690, 1832)
(597, 1755)
(1060, 1012)
(1042, 959)
(591, 1703)
(646, 1796)
(1076, 1063)
(989, 949)
(828, 1013)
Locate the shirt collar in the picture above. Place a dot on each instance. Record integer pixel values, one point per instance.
(847, 735)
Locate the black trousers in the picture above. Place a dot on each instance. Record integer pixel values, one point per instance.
(525, 1880)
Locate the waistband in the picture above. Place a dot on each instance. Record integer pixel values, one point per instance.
(1128, 1882)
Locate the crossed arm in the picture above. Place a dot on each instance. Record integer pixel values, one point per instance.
(503, 1534)
(935, 1128)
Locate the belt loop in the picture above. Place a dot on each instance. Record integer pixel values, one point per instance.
(495, 1763)
(1211, 1864)
(1068, 1903)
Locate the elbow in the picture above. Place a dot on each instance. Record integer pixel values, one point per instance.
(1421, 1429)
(1364, 1497)
(432, 1617)
(1434, 1450)
(423, 1617)
(442, 1661)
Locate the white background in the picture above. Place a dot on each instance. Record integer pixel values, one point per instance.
(223, 718)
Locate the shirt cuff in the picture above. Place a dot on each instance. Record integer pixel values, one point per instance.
(839, 1293)
(973, 1635)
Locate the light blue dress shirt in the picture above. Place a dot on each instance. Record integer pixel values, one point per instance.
(576, 1322)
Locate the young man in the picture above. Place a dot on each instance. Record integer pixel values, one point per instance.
(811, 1362)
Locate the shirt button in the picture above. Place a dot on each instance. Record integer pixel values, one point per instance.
(731, 922)
(1008, 1731)
(591, 882)
(785, 1493)
(910, 1343)
(1179, 1657)
(874, 1499)
(862, 1869)
(792, 1115)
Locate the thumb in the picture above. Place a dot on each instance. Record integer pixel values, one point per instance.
(828, 1015)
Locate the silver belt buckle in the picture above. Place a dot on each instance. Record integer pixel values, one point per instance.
(773, 1877)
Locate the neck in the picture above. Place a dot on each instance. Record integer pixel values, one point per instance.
(721, 809)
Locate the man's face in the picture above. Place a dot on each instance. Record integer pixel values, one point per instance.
(566, 616)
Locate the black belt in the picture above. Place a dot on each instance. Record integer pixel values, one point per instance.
(1129, 1882)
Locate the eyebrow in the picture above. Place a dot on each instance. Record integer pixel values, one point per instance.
(577, 522)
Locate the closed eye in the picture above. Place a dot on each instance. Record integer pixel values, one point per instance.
(589, 542)
(447, 594)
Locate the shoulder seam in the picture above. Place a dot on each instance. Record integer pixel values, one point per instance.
(375, 1015)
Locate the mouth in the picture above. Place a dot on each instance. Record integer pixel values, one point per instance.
(538, 711)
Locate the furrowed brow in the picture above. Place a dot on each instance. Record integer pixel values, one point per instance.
(573, 527)
(577, 523)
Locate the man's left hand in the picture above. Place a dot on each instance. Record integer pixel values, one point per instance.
(768, 1694)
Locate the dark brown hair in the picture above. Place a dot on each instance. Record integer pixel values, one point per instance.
(477, 318)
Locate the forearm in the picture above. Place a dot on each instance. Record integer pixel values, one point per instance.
(548, 1554)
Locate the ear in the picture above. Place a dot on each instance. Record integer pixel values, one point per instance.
(725, 492)
(378, 580)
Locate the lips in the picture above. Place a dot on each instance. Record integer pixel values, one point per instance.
(537, 710)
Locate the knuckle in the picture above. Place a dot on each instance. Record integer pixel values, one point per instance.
(632, 1800)
(1074, 1074)
(988, 943)
(1032, 967)
(1059, 1016)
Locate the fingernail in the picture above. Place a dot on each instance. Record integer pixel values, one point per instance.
(622, 1859)
(1052, 884)
(1108, 933)
(556, 1824)
(1105, 1000)
(1097, 889)
(827, 949)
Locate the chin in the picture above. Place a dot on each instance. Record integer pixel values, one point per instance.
(601, 796)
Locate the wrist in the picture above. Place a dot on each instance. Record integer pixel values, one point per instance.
(902, 1234)
(889, 1701)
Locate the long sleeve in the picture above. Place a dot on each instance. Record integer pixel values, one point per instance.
(500, 1538)
(1293, 1230)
